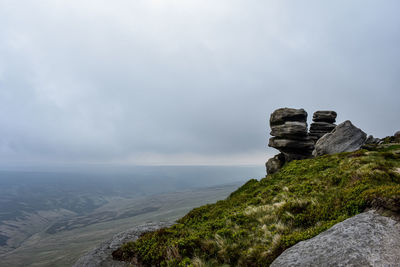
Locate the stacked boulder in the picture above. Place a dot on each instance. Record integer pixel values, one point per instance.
(323, 123)
(289, 128)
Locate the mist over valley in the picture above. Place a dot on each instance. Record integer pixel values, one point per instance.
(39, 211)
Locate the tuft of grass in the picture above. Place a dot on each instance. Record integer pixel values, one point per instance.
(262, 218)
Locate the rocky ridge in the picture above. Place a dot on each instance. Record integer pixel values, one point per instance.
(291, 138)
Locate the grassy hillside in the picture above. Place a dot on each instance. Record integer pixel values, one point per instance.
(262, 218)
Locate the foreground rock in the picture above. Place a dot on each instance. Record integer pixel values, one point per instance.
(344, 138)
(323, 123)
(102, 255)
(367, 239)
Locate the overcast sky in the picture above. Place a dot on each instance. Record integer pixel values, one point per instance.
(187, 81)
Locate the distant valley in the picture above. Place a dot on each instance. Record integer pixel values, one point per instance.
(53, 218)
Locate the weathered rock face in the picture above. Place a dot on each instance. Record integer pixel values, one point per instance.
(289, 128)
(344, 138)
(367, 239)
(275, 164)
(323, 122)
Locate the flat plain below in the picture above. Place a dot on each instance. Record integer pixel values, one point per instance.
(64, 247)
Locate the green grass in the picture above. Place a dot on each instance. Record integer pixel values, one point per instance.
(262, 218)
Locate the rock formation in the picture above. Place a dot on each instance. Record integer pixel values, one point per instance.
(323, 122)
(289, 128)
(290, 136)
(367, 239)
(344, 138)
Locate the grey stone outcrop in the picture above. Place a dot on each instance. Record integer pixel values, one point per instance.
(323, 123)
(289, 128)
(367, 239)
(344, 138)
(290, 137)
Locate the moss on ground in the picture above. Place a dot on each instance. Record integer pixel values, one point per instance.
(262, 218)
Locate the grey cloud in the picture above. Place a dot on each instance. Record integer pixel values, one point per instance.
(102, 81)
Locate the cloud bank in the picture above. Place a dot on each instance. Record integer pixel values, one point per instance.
(187, 82)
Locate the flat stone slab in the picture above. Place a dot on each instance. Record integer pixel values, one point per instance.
(367, 239)
(322, 126)
(283, 143)
(324, 116)
(289, 129)
(282, 115)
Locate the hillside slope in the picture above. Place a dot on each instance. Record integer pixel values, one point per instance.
(261, 219)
